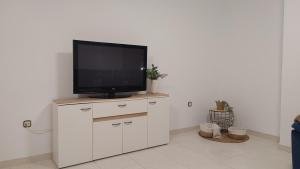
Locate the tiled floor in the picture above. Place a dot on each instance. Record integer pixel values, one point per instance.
(189, 151)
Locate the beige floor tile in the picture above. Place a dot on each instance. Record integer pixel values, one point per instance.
(90, 165)
(117, 162)
(45, 164)
(21, 166)
(189, 151)
(258, 162)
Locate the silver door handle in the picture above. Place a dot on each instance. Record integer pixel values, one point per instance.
(128, 122)
(154, 102)
(122, 105)
(116, 124)
(85, 109)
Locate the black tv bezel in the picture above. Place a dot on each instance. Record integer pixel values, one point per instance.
(111, 89)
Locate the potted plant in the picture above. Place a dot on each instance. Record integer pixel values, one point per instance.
(153, 74)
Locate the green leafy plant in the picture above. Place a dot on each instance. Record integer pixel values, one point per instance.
(153, 73)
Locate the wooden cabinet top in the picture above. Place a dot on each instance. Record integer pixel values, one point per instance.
(83, 100)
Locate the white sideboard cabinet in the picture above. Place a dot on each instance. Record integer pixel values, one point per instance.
(86, 129)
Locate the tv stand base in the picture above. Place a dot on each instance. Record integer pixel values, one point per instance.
(111, 96)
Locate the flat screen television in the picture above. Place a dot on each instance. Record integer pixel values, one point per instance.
(108, 68)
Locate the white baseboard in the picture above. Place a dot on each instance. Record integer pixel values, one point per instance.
(271, 137)
(178, 131)
(264, 135)
(285, 148)
(19, 161)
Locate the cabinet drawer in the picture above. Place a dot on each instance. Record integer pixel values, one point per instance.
(119, 108)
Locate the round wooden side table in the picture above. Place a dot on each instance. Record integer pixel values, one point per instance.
(224, 119)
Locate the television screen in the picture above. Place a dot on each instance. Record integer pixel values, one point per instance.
(108, 68)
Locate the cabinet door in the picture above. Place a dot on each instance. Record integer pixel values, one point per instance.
(158, 121)
(134, 133)
(74, 134)
(107, 138)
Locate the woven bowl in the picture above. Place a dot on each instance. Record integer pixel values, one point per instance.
(205, 134)
(206, 130)
(206, 127)
(237, 133)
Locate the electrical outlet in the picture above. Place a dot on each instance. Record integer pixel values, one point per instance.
(190, 104)
(27, 123)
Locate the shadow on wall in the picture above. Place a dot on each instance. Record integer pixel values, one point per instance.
(39, 140)
(41, 130)
(64, 75)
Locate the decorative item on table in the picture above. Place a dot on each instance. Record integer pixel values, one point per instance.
(153, 74)
(220, 104)
(223, 115)
(223, 105)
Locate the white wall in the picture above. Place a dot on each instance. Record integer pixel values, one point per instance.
(210, 48)
(290, 106)
(250, 62)
(36, 57)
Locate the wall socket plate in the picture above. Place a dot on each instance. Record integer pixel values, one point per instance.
(27, 123)
(190, 103)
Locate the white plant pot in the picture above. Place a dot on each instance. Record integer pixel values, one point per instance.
(154, 86)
